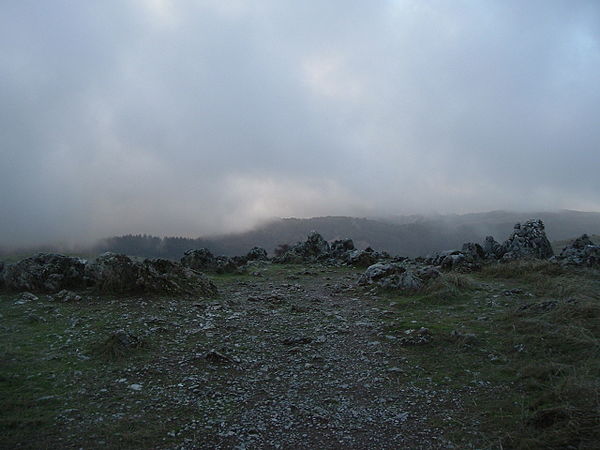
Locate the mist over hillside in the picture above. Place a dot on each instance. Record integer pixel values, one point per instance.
(407, 236)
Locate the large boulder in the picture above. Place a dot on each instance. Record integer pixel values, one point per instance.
(362, 258)
(168, 277)
(113, 272)
(528, 240)
(466, 260)
(257, 254)
(340, 248)
(395, 276)
(314, 248)
(492, 248)
(581, 252)
(225, 264)
(45, 272)
(118, 274)
(200, 259)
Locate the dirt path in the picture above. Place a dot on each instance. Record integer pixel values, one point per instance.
(315, 369)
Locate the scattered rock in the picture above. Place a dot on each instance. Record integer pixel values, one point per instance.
(416, 337)
(68, 296)
(118, 345)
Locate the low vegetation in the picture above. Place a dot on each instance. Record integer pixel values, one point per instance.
(512, 358)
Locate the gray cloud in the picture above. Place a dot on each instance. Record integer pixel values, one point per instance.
(196, 117)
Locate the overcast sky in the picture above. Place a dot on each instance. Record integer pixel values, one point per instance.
(190, 117)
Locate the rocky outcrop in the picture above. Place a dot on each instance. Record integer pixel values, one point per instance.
(492, 248)
(45, 272)
(362, 258)
(313, 249)
(200, 259)
(396, 276)
(257, 254)
(341, 248)
(115, 273)
(467, 260)
(528, 240)
(581, 252)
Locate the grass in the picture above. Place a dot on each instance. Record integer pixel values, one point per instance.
(537, 368)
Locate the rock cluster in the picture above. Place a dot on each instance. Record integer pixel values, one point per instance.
(315, 248)
(45, 272)
(114, 273)
(528, 240)
(109, 273)
(581, 252)
(396, 276)
(203, 259)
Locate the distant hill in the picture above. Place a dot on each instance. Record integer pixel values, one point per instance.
(407, 235)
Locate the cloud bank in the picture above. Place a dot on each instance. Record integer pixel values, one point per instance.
(198, 117)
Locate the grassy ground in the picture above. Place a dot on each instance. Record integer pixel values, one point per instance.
(518, 342)
(528, 335)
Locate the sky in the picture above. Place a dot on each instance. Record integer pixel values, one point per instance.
(196, 117)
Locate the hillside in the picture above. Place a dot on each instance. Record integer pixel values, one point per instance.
(407, 236)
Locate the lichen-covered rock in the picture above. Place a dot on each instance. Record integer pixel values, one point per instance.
(314, 248)
(492, 248)
(257, 254)
(581, 252)
(45, 272)
(115, 273)
(361, 258)
(200, 259)
(528, 240)
(225, 264)
(391, 276)
(169, 277)
(460, 261)
(341, 247)
(473, 250)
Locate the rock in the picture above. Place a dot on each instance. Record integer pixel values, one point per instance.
(492, 248)
(45, 272)
(215, 357)
(473, 250)
(169, 277)
(114, 273)
(314, 248)
(581, 252)
(415, 337)
(457, 260)
(201, 259)
(27, 297)
(68, 296)
(528, 240)
(361, 258)
(340, 248)
(257, 254)
(117, 345)
(1, 275)
(135, 387)
(225, 264)
(294, 341)
(391, 276)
